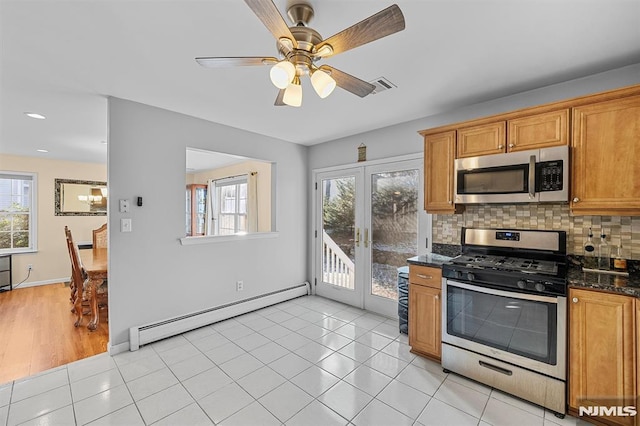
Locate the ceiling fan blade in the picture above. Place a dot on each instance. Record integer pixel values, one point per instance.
(239, 61)
(279, 99)
(268, 13)
(348, 82)
(382, 24)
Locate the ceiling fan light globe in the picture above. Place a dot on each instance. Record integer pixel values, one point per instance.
(322, 83)
(282, 74)
(293, 95)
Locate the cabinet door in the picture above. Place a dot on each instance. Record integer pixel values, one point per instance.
(602, 358)
(538, 131)
(439, 154)
(424, 320)
(485, 139)
(606, 158)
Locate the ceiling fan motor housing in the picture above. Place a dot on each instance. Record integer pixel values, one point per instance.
(300, 14)
(303, 56)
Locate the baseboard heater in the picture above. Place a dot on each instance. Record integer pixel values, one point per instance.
(148, 333)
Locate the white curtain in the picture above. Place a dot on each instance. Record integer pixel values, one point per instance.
(252, 202)
(210, 228)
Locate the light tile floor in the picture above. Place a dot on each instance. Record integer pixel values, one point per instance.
(307, 361)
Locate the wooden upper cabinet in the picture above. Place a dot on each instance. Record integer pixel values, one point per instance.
(484, 139)
(538, 131)
(439, 154)
(602, 357)
(605, 159)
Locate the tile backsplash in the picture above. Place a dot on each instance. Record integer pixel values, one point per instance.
(625, 229)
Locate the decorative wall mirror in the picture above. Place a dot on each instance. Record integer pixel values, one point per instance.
(80, 198)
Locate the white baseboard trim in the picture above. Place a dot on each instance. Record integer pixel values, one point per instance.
(116, 349)
(37, 283)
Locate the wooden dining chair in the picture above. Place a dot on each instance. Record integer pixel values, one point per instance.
(78, 277)
(100, 237)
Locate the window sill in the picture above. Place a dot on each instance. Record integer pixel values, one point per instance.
(214, 239)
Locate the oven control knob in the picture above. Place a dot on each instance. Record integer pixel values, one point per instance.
(540, 287)
(471, 276)
(521, 284)
(457, 274)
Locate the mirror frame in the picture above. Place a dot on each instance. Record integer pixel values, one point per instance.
(58, 197)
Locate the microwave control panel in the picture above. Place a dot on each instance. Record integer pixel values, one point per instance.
(549, 176)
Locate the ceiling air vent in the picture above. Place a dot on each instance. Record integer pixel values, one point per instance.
(382, 84)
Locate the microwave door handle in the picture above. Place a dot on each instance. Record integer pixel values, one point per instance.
(532, 177)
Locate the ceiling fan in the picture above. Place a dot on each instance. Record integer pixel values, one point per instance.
(300, 47)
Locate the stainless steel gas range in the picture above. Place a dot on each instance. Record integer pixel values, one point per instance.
(504, 313)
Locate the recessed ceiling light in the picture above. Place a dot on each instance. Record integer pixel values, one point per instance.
(35, 115)
(42, 150)
(103, 142)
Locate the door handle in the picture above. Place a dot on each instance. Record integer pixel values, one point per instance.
(357, 237)
(496, 368)
(366, 237)
(424, 277)
(532, 177)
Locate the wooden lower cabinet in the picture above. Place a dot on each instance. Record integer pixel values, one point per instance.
(602, 352)
(425, 334)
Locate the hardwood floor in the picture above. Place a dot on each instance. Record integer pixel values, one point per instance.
(37, 332)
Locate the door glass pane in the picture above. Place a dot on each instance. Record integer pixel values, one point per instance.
(338, 230)
(394, 227)
(522, 327)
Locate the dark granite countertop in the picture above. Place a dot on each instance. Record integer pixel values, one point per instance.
(433, 260)
(601, 281)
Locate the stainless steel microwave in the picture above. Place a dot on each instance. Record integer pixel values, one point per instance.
(540, 175)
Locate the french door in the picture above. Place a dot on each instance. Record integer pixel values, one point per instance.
(367, 226)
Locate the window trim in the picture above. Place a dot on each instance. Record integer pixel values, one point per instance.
(218, 185)
(33, 214)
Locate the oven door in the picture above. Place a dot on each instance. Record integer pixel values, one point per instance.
(521, 329)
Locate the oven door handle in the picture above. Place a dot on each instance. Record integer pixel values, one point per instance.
(511, 294)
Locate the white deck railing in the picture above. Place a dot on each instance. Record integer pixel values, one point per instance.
(337, 268)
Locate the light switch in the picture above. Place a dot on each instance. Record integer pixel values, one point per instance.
(124, 206)
(125, 225)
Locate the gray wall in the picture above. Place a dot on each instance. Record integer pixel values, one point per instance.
(151, 275)
(403, 138)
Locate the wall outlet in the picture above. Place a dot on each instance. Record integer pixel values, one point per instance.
(239, 285)
(29, 267)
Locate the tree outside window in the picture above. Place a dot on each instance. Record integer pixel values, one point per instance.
(17, 195)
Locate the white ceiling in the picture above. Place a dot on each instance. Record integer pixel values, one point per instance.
(62, 58)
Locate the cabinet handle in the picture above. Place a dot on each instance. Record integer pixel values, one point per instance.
(437, 297)
(450, 202)
(511, 145)
(425, 277)
(574, 300)
(576, 199)
(500, 146)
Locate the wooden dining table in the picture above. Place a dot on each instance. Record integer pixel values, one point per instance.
(95, 263)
